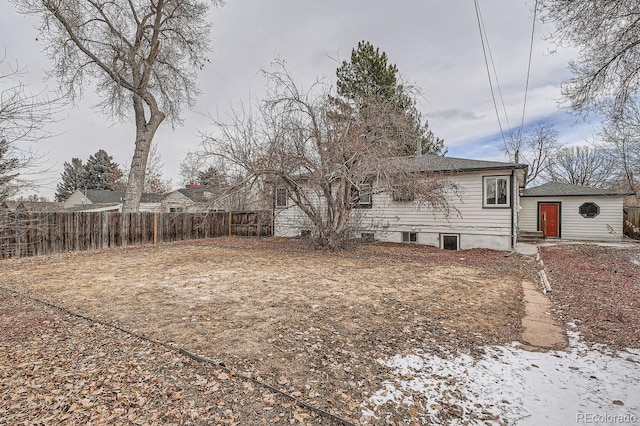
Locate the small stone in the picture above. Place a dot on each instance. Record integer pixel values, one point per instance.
(617, 402)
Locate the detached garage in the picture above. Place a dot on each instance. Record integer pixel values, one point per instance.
(572, 212)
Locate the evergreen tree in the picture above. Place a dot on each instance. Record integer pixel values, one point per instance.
(73, 178)
(99, 170)
(369, 79)
(8, 167)
(211, 178)
(368, 75)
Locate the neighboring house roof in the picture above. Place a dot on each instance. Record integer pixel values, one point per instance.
(106, 196)
(94, 207)
(197, 195)
(557, 189)
(9, 205)
(438, 163)
(39, 206)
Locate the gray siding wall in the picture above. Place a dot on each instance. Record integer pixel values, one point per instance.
(476, 225)
(607, 226)
(75, 199)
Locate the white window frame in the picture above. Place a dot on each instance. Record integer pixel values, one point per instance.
(408, 237)
(487, 182)
(442, 236)
(365, 196)
(278, 201)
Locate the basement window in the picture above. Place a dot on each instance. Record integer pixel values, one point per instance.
(368, 237)
(450, 241)
(409, 237)
(589, 210)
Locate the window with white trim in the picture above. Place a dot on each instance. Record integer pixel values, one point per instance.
(403, 193)
(496, 191)
(450, 241)
(589, 210)
(281, 197)
(365, 196)
(409, 237)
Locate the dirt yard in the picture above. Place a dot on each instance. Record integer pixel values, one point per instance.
(598, 288)
(310, 323)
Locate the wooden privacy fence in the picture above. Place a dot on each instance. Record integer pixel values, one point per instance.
(632, 222)
(32, 234)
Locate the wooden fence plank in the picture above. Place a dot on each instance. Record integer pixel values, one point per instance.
(31, 234)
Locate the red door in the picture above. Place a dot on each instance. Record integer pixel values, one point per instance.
(550, 219)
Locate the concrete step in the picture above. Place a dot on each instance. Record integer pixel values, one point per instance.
(530, 240)
(530, 236)
(537, 234)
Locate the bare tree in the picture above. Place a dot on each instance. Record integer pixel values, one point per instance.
(23, 120)
(607, 34)
(191, 165)
(535, 149)
(326, 158)
(582, 165)
(154, 181)
(621, 137)
(143, 55)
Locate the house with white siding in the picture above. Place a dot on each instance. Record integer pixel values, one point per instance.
(105, 200)
(490, 211)
(484, 214)
(572, 212)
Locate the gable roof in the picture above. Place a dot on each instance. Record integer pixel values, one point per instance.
(94, 207)
(198, 195)
(439, 163)
(105, 196)
(39, 206)
(557, 189)
(9, 205)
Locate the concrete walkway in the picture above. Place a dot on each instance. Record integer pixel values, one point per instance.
(540, 331)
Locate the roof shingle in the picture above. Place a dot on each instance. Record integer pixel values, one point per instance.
(557, 189)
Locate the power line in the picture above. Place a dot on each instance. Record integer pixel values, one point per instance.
(486, 62)
(526, 87)
(493, 66)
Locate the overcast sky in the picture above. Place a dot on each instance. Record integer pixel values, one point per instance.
(435, 44)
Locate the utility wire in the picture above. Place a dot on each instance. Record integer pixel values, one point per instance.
(486, 62)
(526, 87)
(493, 66)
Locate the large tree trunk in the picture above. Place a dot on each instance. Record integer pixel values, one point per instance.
(144, 136)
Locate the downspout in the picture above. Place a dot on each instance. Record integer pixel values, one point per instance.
(513, 207)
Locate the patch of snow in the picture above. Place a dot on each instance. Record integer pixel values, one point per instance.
(510, 385)
(635, 261)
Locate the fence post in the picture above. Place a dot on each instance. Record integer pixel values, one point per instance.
(125, 229)
(155, 228)
(230, 219)
(259, 231)
(17, 236)
(105, 229)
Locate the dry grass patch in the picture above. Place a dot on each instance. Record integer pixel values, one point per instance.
(598, 288)
(313, 323)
